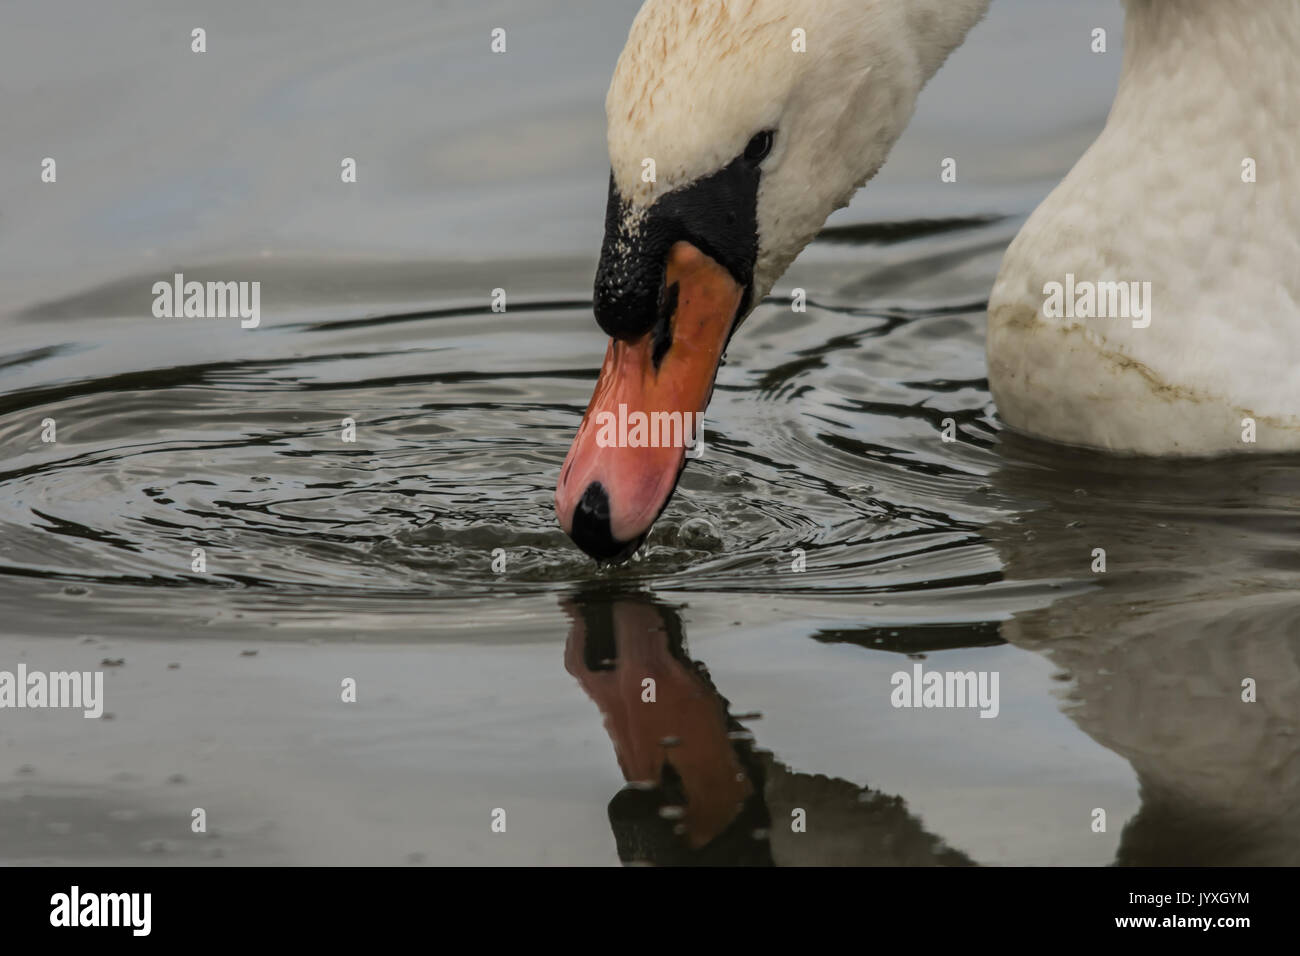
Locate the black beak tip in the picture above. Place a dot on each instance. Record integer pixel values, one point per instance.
(591, 531)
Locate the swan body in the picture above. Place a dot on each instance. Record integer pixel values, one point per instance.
(1207, 89)
(735, 127)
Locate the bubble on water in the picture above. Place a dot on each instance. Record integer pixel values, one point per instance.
(699, 534)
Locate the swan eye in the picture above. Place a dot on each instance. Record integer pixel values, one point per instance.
(759, 146)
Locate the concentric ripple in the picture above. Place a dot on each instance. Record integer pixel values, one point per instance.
(355, 467)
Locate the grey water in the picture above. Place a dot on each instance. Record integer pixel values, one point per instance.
(520, 688)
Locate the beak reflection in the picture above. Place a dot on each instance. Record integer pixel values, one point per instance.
(699, 790)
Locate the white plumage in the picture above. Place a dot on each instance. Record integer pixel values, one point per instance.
(1206, 86)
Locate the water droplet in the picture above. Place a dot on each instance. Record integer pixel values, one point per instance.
(698, 534)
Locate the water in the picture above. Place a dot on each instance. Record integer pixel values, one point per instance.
(521, 689)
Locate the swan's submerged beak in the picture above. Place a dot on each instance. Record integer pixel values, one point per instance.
(649, 400)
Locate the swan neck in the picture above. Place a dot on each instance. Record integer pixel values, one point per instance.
(1185, 59)
(937, 27)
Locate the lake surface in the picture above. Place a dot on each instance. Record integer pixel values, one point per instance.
(520, 689)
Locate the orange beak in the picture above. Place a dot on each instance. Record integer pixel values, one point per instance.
(647, 410)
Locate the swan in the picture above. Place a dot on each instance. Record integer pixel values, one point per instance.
(735, 127)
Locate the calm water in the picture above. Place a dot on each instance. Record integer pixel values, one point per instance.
(521, 689)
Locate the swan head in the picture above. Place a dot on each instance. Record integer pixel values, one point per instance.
(734, 129)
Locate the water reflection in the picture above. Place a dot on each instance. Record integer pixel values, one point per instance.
(1155, 657)
(1198, 597)
(700, 791)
